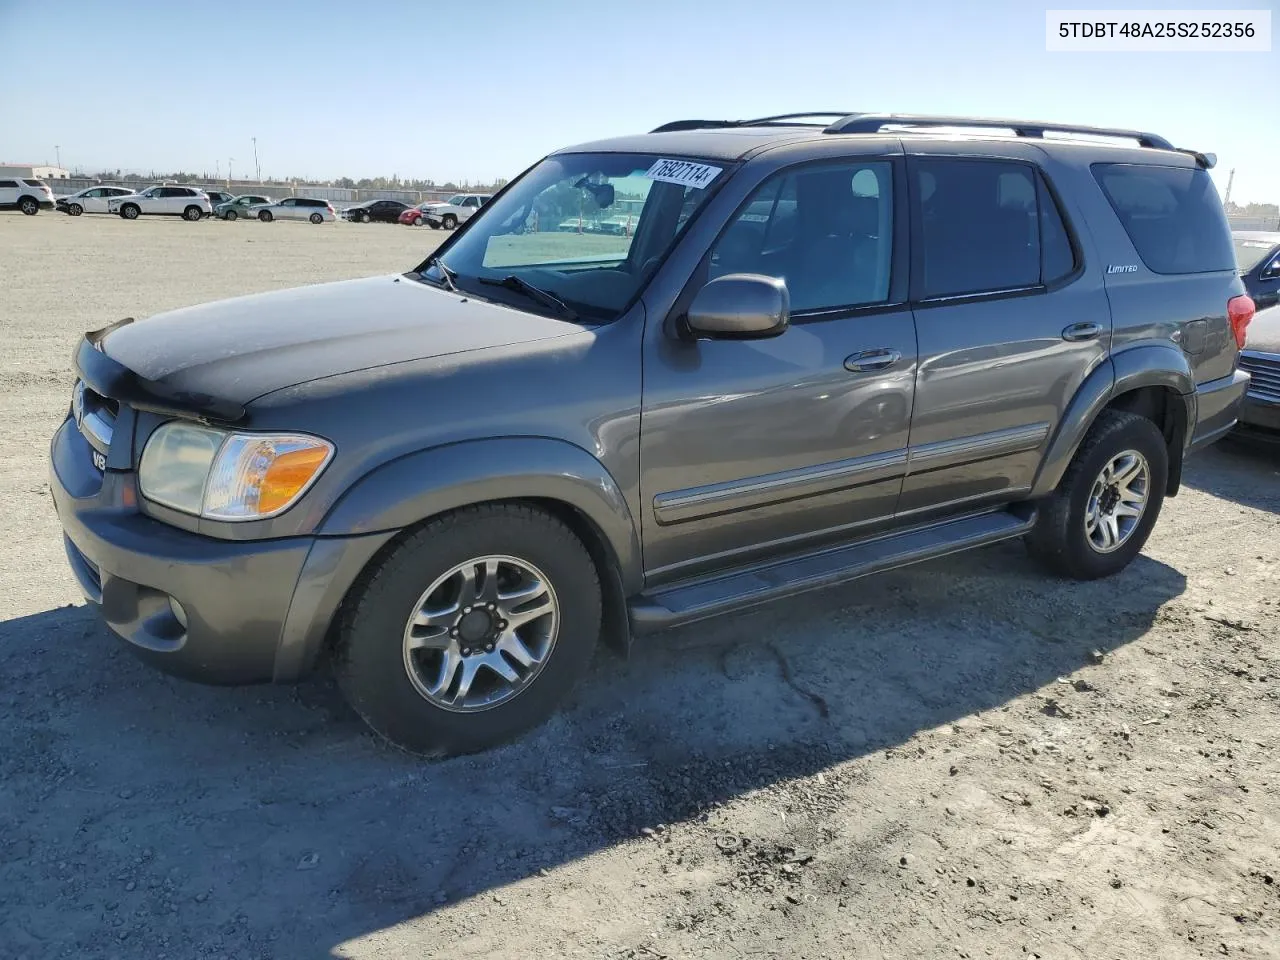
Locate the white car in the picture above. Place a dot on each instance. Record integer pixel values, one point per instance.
(459, 207)
(91, 200)
(165, 201)
(29, 196)
(294, 208)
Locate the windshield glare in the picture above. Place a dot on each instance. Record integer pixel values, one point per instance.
(588, 228)
(1249, 252)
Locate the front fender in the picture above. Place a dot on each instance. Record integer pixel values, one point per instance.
(1145, 365)
(424, 484)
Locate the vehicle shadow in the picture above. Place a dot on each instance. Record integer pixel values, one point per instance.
(268, 816)
(1245, 471)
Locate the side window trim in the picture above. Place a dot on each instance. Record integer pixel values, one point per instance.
(917, 298)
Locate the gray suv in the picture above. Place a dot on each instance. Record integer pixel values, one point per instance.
(815, 351)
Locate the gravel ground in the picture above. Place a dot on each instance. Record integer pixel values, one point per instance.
(966, 759)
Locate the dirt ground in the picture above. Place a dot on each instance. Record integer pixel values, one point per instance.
(966, 759)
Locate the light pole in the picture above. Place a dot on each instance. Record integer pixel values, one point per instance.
(57, 152)
(230, 160)
(257, 170)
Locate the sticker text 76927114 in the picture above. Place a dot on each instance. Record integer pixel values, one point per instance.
(684, 172)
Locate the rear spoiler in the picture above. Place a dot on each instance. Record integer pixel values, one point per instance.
(112, 379)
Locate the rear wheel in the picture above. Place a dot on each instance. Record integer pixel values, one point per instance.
(449, 221)
(1108, 500)
(130, 211)
(75, 209)
(29, 206)
(265, 216)
(471, 631)
(192, 213)
(316, 218)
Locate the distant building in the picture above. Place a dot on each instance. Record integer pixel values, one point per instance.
(36, 171)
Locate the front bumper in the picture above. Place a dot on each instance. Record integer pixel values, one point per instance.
(1218, 405)
(216, 611)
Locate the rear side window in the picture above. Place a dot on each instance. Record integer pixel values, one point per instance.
(34, 183)
(1173, 215)
(987, 226)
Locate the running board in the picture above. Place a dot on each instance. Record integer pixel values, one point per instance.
(689, 601)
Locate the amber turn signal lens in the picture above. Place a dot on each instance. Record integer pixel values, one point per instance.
(287, 475)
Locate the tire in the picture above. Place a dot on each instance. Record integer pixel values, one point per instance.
(449, 221)
(192, 213)
(75, 209)
(416, 222)
(29, 206)
(383, 680)
(230, 215)
(130, 211)
(1062, 539)
(362, 218)
(265, 216)
(433, 225)
(316, 218)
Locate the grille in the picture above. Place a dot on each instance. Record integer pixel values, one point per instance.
(1264, 371)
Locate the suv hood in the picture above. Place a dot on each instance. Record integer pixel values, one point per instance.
(242, 348)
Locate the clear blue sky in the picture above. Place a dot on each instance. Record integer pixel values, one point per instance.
(477, 90)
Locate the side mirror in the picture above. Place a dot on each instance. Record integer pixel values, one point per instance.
(1273, 271)
(740, 306)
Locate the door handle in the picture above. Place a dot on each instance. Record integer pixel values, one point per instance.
(1082, 331)
(869, 360)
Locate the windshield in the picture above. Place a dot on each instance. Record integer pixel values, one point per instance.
(588, 229)
(1249, 252)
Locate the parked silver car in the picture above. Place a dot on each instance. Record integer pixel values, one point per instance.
(294, 208)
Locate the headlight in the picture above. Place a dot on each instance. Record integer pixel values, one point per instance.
(229, 476)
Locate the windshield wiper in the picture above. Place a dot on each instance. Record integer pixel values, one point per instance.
(448, 278)
(545, 297)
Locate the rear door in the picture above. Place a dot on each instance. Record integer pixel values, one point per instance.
(8, 192)
(1010, 318)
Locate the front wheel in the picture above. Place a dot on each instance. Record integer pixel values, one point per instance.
(230, 215)
(192, 213)
(130, 211)
(265, 216)
(316, 218)
(1108, 500)
(449, 221)
(471, 631)
(417, 221)
(75, 209)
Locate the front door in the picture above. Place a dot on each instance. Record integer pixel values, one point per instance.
(1009, 319)
(756, 447)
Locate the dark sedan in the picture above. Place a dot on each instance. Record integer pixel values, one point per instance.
(382, 211)
(1260, 415)
(1258, 254)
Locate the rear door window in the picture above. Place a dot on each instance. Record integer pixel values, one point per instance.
(1173, 215)
(34, 183)
(986, 226)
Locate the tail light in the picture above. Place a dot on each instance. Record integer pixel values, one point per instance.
(1240, 311)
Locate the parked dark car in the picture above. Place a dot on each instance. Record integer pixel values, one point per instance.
(377, 211)
(1260, 416)
(827, 350)
(219, 196)
(1258, 253)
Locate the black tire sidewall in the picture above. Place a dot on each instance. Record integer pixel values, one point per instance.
(1135, 433)
(129, 212)
(316, 218)
(28, 206)
(449, 223)
(265, 216)
(186, 214)
(75, 209)
(369, 663)
(230, 215)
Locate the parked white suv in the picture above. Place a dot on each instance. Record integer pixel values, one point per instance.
(91, 200)
(29, 196)
(453, 211)
(186, 202)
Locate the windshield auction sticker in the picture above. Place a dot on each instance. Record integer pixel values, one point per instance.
(683, 172)
(1156, 31)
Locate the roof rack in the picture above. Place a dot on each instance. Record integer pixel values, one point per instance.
(778, 120)
(874, 122)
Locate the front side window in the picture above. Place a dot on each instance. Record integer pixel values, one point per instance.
(471, 202)
(589, 229)
(1173, 215)
(987, 226)
(288, 203)
(825, 230)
